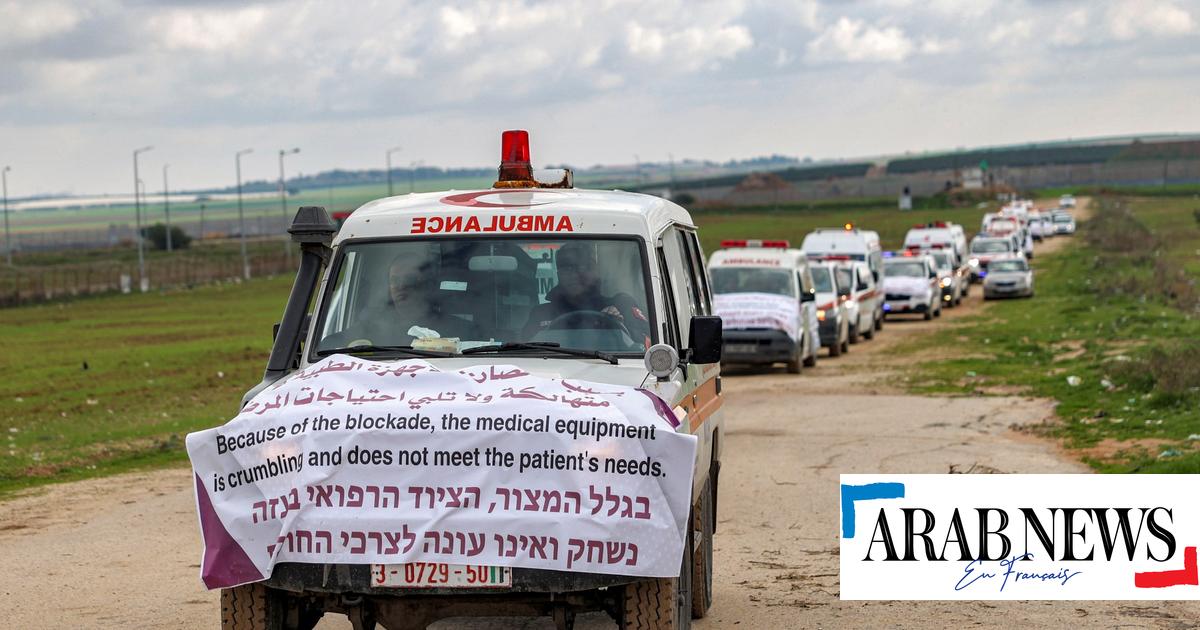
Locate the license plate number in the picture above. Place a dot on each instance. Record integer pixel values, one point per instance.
(439, 575)
(742, 348)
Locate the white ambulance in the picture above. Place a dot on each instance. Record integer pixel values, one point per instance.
(763, 292)
(864, 303)
(846, 241)
(601, 286)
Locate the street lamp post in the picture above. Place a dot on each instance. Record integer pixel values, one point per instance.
(388, 155)
(7, 236)
(137, 209)
(237, 159)
(287, 245)
(167, 207)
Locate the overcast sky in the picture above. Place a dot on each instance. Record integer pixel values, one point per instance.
(595, 81)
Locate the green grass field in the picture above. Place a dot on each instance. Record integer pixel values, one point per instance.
(1111, 319)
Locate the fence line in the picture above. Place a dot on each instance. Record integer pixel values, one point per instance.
(27, 285)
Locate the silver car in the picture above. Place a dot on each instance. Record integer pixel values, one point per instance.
(1008, 277)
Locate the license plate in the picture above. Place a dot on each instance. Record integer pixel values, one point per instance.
(741, 348)
(439, 575)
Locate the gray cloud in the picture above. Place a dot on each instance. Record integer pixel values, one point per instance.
(615, 76)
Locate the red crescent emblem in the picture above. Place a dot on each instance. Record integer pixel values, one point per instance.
(471, 199)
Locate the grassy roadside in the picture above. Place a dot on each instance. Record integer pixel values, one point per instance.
(101, 385)
(1112, 336)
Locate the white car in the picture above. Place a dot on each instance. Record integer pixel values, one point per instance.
(864, 302)
(1064, 223)
(910, 285)
(833, 291)
(459, 279)
(1008, 277)
(1066, 201)
(764, 295)
(952, 279)
(984, 249)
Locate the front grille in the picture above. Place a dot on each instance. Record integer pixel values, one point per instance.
(896, 296)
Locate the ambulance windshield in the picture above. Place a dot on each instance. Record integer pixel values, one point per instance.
(452, 294)
(752, 280)
(821, 280)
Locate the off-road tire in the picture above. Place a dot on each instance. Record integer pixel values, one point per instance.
(794, 366)
(928, 314)
(702, 562)
(811, 359)
(852, 337)
(655, 604)
(251, 607)
(869, 333)
(650, 605)
(836, 349)
(879, 321)
(846, 345)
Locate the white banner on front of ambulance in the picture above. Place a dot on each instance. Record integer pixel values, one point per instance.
(1019, 537)
(356, 461)
(759, 310)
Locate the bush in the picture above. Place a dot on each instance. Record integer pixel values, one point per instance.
(157, 235)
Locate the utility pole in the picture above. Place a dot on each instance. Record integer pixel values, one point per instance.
(237, 159)
(412, 174)
(201, 236)
(7, 235)
(388, 156)
(137, 209)
(287, 245)
(167, 207)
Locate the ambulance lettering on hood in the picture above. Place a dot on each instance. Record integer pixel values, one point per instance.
(511, 223)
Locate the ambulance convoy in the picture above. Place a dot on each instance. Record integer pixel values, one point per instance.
(852, 285)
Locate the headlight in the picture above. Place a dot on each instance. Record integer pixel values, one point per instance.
(947, 281)
(974, 262)
(820, 314)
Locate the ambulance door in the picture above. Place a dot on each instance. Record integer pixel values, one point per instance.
(688, 284)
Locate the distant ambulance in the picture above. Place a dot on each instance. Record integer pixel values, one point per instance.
(763, 291)
(846, 241)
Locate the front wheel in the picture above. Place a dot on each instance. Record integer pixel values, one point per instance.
(702, 563)
(793, 365)
(869, 333)
(251, 607)
(661, 603)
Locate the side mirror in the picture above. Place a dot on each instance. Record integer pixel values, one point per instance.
(705, 339)
(808, 296)
(933, 274)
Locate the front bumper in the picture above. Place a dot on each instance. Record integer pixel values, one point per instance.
(828, 331)
(991, 290)
(905, 305)
(356, 579)
(757, 346)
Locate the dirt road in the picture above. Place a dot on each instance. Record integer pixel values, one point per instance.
(124, 551)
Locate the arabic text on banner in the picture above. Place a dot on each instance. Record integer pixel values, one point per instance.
(759, 310)
(355, 461)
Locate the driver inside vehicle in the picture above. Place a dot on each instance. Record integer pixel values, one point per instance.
(577, 301)
(410, 304)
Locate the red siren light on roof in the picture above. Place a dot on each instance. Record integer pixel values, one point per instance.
(755, 243)
(516, 169)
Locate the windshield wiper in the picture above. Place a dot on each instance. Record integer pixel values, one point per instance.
(416, 352)
(545, 346)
